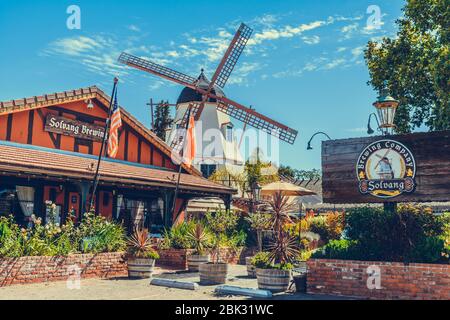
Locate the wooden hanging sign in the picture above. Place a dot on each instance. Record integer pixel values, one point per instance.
(74, 128)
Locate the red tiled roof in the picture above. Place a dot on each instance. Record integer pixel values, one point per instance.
(20, 159)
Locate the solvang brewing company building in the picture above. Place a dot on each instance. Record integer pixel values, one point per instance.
(49, 147)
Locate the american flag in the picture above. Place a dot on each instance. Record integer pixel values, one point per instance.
(116, 123)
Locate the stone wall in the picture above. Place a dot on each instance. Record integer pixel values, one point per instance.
(396, 280)
(43, 269)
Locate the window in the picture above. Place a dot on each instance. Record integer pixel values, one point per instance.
(18, 201)
(141, 213)
(229, 132)
(207, 169)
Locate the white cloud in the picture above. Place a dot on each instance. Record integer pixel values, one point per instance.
(75, 46)
(311, 40)
(357, 52)
(334, 63)
(134, 28)
(283, 32)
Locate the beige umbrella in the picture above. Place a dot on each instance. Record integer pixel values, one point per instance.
(288, 189)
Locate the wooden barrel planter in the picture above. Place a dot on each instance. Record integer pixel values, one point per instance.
(273, 280)
(211, 274)
(194, 261)
(251, 269)
(140, 268)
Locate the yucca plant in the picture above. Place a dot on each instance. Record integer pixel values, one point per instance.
(284, 248)
(139, 245)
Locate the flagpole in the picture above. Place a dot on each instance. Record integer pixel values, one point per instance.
(104, 141)
(179, 170)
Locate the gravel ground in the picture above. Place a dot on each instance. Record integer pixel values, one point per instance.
(126, 289)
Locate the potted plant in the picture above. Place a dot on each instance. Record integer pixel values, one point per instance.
(274, 268)
(200, 239)
(219, 223)
(259, 222)
(141, 255)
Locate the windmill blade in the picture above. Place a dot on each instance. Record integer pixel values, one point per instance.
(157, 69)
(257, 120)
(231, 56)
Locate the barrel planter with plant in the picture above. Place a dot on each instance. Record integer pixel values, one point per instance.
(251, 269)
(201, 239)
(141, 256)
(274, 268)
(219, 223)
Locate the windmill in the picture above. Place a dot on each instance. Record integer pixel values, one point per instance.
(212, 90)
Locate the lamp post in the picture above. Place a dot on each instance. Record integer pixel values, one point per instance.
(315, 134)
(386, 107)
(254, 193)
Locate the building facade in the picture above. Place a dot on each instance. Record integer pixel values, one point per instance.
(49, 146)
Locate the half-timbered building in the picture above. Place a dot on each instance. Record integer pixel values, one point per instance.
(49, 147)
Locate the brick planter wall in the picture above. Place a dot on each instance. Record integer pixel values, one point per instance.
(43, 269)
(177, 258)
(397, 280)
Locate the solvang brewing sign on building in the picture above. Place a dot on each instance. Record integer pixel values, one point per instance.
(74, 128)
(411, 167)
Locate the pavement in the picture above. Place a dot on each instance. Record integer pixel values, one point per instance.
(129, 289)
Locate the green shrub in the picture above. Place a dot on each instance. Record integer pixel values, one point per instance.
(328, 227)
(412, 234)
(95, 234)
(261, 260)
(10, 238)
(178, 236)
(338, 249)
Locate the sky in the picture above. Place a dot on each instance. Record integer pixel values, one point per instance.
(303, 66)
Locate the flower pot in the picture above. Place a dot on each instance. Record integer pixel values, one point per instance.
(300, 282)
(140, 268)
(211, 274)
(195, 260)
(273, 280)
(251, 269)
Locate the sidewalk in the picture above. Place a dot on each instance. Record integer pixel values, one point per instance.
(126, 289)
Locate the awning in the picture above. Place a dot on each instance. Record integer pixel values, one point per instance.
(28, 160)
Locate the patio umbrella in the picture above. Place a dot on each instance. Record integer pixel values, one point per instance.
(288, 189)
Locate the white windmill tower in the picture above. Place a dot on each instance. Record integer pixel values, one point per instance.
(215, 137)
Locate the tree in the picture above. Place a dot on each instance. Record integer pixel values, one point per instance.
(416, 65)
(295, 174)
(162, 119)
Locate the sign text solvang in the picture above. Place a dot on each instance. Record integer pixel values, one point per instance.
(385, 169)
(74, 128)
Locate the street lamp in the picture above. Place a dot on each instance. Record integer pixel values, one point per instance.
(315, 134)
(386, 107)
(254, 193)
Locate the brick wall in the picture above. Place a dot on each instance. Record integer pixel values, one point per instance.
(397, 280)
(43, 269)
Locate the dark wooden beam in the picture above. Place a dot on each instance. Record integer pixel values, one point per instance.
(30, 126)
(9, 127)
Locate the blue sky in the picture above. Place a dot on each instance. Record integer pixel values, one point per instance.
(304, 65)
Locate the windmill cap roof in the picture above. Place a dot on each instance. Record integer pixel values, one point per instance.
(190, 95)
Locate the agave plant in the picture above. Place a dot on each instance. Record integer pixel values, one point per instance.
(139, 245)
